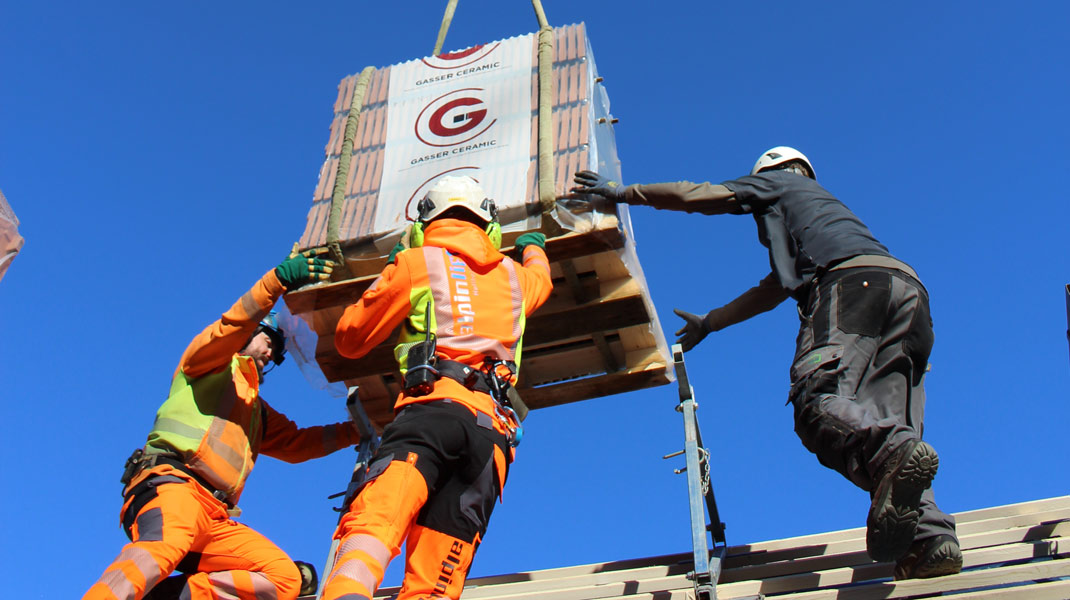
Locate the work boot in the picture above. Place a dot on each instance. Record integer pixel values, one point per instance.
(893, 514)
(934, 557)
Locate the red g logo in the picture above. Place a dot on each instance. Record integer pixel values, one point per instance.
(453, 118)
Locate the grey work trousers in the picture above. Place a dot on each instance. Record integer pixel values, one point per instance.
(857, 378)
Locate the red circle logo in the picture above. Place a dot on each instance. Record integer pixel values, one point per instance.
(453, 118)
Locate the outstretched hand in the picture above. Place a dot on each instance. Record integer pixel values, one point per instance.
(301, 268)
(589, 182)
(695, 329)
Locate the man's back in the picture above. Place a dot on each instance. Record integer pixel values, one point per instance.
(804, 227)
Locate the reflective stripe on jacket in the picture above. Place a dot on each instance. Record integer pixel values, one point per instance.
(214, 419)
(212, 423)
(479, 301)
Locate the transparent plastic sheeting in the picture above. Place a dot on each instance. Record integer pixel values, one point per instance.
(604, 160)
(583, 139)
(301, 347)
(10, 240)
(470, 112)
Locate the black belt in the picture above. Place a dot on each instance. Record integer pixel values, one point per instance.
(163, 459)
(504, 394)
(473, 379)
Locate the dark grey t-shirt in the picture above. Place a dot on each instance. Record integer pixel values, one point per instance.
(803, 226)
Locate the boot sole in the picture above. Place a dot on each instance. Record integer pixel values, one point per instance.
(893, 516)
(946, 561)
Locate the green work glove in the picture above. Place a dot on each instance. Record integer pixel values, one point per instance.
(393, 253)
(695, 329)
(529, 239)
(589, 182)
(301, 268)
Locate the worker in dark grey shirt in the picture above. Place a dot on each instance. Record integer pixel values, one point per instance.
(862, 349)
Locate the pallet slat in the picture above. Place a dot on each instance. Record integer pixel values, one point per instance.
(341, 293)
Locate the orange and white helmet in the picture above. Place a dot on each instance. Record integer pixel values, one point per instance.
(774, 157)
(452, 191)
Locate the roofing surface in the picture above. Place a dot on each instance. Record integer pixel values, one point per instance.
(1012, 551)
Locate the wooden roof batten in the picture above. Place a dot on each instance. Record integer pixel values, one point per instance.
(1011, 552)
(1017, 551)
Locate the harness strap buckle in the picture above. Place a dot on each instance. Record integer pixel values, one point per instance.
(495, 379)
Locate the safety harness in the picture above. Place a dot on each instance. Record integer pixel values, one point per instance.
(495, 380)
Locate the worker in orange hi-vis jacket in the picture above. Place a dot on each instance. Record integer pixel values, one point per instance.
(443, 460)
(183, 487)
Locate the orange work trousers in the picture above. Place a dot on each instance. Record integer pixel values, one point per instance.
(184, 524)
(432, 485)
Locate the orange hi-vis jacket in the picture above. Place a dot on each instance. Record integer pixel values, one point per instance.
(214, 419)
(479, 299)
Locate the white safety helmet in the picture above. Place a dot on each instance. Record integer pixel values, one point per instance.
(451, 191)
(777, 156)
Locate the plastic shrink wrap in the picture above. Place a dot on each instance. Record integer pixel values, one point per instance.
(475, 112)
(10, 240)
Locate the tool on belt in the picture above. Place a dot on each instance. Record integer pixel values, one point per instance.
(421, 375)
(139, 461)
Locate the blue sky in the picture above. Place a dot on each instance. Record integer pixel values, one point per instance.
(162, 157)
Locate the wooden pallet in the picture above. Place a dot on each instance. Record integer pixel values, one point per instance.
(592, 338)
(1016, 551)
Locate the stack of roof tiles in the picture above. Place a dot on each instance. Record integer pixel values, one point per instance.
(598, 334)
(571, 134)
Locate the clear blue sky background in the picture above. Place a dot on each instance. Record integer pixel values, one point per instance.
(162, 157)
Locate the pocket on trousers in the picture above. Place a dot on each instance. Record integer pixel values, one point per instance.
(919, 340)
(815, 373)
(814, 359)
(863, 302)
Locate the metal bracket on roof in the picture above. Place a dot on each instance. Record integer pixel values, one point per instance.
(369, 443)
(708, 560)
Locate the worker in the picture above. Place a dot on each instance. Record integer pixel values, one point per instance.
(862, 349)
(182, 488)
(443, 460)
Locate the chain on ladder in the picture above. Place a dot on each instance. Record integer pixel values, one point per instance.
(704, 460)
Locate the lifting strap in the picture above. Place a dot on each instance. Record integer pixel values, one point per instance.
(446, 19)
(341, 178)
(547, 195)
